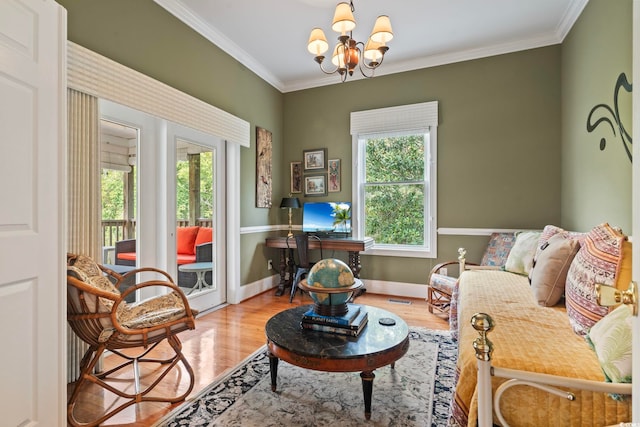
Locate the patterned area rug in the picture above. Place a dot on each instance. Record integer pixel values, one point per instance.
(416, 393)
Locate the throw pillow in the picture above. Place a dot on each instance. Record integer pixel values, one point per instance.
(611, 339)
(186, 239)
(520, 259)
(498, 249)
(549, 273)
(205, 235)
(599, 260)
(551, 230)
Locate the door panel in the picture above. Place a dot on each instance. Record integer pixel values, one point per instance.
(32, 259)
(198, 187)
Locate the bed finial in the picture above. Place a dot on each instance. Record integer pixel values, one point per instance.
(483, 323)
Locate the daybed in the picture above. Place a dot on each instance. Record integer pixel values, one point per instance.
(568, 341)
(193, 244)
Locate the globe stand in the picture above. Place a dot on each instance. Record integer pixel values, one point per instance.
(332, 309)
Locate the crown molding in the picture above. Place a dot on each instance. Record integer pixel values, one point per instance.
(184, 14)
(181, 12)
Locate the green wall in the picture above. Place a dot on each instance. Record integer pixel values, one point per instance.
(513, 151)
(143, 36)
(596, 185)
(498, 143)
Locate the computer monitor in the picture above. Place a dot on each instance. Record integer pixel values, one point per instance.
(323, 218)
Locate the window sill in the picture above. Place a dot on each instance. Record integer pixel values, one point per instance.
(400, 252)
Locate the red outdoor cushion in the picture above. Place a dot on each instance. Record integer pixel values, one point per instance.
(205, 235)
(131, 256)
(185, 242)
(186, 259)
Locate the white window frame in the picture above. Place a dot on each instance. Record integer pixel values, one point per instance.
(414, 118)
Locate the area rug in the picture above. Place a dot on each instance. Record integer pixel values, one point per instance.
(417, 392)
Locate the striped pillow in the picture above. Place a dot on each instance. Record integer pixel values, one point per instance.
(599, 260)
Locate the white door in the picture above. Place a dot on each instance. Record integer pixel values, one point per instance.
(32, 206)
(636, 207)
(182, 141)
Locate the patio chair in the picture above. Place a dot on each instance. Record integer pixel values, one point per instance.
(98, 313)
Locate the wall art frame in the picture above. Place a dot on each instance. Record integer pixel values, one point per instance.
(264, 181)
(315, 185)
(295, 177)
(315, 160)
(335, 176)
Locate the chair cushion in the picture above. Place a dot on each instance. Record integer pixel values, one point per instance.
(605, 257)
(498, 249)
(443, 283)
(185, 259)
(152, 312)
(130, 256)
(186, 239)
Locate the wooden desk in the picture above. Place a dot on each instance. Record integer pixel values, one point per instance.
(348, 244)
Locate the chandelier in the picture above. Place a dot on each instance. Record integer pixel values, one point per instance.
(349, 53)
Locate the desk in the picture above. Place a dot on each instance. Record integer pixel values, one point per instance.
(348, 244)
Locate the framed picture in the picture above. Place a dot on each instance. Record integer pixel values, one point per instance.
(296, 177)
(315, 185)
(334, 175)
(315, 160)
(263, 168)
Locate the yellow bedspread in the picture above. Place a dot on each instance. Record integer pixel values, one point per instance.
(533, 338)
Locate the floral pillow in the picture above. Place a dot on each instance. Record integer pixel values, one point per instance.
(611, 339)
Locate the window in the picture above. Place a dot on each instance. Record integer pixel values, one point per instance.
(394, 194)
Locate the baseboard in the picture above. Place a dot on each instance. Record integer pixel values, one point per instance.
(397, 289)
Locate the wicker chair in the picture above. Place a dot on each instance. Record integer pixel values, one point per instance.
(98, 313)
(441, 288)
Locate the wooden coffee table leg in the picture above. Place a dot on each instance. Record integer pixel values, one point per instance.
(273, 369)
(367, 389)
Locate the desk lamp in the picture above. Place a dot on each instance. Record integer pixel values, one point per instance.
(291, 203)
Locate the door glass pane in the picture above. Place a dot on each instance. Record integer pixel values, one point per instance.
(118, 144)
(195, 206)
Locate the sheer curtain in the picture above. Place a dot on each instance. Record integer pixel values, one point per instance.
(83, 172)
(83, 197)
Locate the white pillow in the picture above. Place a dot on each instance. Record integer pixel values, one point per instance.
(611, 339)
(520, 259)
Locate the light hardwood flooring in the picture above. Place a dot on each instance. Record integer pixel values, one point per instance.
(225, 337)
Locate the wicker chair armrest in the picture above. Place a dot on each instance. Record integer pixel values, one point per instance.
(204, 252)
(436, 268)
(142, 270)
(85, 287)
(128, 245)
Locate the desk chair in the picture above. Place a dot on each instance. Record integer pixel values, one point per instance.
(303, 266)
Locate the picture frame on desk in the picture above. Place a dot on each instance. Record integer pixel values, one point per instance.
(315, 160)
(315, 185)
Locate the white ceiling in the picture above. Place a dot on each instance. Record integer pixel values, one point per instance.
(269, 36)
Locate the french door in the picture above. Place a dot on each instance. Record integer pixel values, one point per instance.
(161, 212)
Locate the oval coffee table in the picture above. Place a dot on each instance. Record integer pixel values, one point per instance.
(376, 346)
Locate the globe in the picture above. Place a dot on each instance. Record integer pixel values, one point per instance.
(330, 273)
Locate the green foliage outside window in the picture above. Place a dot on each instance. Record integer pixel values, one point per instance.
(395, 190)
(206, 187)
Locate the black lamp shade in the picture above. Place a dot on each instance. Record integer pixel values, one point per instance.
(290, 202)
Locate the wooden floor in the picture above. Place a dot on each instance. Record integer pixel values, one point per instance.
(223, 339)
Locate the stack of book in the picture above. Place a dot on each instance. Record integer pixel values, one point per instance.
(351, 323)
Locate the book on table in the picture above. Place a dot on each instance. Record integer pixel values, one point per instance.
(344, 320)
(353, 329)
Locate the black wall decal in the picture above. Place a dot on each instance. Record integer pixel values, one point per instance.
(615, 115)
